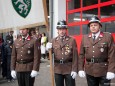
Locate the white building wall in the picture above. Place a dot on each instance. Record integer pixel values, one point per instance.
(59, 13)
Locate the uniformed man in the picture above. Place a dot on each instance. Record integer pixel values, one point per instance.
(25, 59)
(65, 56)
(97, 55)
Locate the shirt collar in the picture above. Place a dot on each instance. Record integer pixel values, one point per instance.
(96, 35)
(26, 38)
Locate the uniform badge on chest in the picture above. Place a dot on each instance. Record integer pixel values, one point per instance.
(102, 49)
(67, 50)
(29, 51)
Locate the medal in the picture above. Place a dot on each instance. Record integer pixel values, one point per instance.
(102, 49)
(66, 53)
(29, 51)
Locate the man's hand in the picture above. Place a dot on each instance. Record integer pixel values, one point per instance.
(13, 74)
(48, 45)
(73, 74)
(81, 73)
(34, 73)
(110, 75)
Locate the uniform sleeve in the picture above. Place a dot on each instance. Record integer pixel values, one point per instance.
(111, 55)
(37, 55)
(13, 58)
(81, 56)
(75, 57)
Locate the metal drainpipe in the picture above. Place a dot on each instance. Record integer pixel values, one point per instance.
(51, 12)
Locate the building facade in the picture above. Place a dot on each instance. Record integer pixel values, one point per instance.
(78, 12)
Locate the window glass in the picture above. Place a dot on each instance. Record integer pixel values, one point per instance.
(89, 13)
(74, 30)
(74, 17)
(89, 2)
(107, 11)
(73, 4)
(76, 4)
(104, 0)
(108, 27)
(85, 29)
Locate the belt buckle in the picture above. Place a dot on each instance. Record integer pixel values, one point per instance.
(61, 61)
(92, 60)
(22, 62)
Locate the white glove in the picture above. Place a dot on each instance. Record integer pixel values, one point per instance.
(48, 45)
(34, 73)
(81, 73)
(13, 74)
(109, 75)
(73, 74)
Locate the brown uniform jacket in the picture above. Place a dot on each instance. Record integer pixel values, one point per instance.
(102, 49)
(25, 51)
(66, 51)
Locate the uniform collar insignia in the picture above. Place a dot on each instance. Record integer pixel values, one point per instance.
(101, 34)
(90, 35)
(67, 38)
(57, 38)
(20, 38)
(28, 38)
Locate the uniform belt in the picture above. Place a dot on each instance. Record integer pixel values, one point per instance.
(24, 61)
(96, 60)
(62, 61)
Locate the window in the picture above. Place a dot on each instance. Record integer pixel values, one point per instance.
(85, 29)
(73, 4)
(108, 11)
(74, 17)
(104, 0)
(108, 27)
(89, 13)
(74, 30)
(89, 2)
(78, 16)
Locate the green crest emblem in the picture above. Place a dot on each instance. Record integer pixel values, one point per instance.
(22, 7)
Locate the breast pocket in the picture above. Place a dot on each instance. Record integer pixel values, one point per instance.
(57, 49)
(102, 47)
(29, 46)
(17, 47)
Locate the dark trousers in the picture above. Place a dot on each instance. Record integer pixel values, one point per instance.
(8, 67)
(97, 81)
(59, 79)
(24, 79)
(4, 68)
